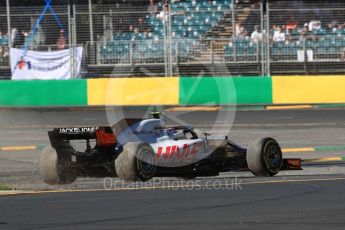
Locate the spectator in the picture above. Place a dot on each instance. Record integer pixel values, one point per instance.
(289, 37)
(256, 36)
(278, 35)
(1, 55)
(240, 31)
(131, 29)
(291, 25)
(4, 54)
(314, 25)
(340, 28)
(147, 35)
(37, 38)
(163, 15)
(141, 22)
(19, 39)
(304, 32)
(332, 28)
(153, 8)
(3, 39)
(14, 33)
(342, 58)
(61, 42)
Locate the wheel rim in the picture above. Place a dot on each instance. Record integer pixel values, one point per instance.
(146, 163)
(274, 157)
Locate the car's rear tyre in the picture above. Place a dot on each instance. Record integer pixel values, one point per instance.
(264, 157)
(137, 162)
(56, 169)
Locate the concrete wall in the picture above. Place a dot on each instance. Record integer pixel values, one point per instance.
(185, 91)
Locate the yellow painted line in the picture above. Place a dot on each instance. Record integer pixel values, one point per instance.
(326, 159)
(297, 150)
(294, 181)
(289, 107)
(12, 193)
(308, 89)
(133, 91)
(194, 108)
(18, 148)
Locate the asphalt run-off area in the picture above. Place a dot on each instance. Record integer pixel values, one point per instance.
(307, 199)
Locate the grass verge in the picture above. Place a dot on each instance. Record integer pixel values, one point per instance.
(5, 187)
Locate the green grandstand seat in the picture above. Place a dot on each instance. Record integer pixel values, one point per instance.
(326, 42)
(292, 48)
(320, 32)
(275, 51)
(333, 45)
(339, 42)
(240, 46)
(323, 46)
(342, 41)
(295, 32)
(3, 40)
(310, 44)
(280, 45)
(285, 49)
(229, 51)
(201, 17)
(103, 52)
(252, 49)
(240, 51)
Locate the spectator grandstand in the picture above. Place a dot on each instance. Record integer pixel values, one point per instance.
(190, 21)
(247, 37)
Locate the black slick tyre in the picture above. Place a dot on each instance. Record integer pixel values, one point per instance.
(56, 169)
(137, 162)
(264, 157)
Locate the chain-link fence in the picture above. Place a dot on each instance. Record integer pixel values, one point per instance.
(188, 38)
(52, 31)
(306, 36)
(23, 20)
(4, 40)
(183, 38)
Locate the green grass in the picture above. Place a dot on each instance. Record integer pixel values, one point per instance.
(5, 187)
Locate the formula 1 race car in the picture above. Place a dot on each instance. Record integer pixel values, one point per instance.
(139, 149)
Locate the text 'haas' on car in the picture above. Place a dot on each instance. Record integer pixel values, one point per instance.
(139, 149)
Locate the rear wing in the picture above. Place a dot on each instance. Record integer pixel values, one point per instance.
(103, 135)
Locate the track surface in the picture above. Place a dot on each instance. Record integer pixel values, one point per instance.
(309, 199)
(298, 205)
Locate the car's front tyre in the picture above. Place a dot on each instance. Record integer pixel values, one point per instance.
(264, 157)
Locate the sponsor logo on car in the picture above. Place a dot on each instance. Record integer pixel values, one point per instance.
(78, 130)
(176, 154)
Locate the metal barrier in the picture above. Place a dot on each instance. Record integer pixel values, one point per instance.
(218, 37)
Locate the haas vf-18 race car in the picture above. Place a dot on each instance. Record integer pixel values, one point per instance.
(139, 149)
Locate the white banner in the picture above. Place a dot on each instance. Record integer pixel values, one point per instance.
(29, 65)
